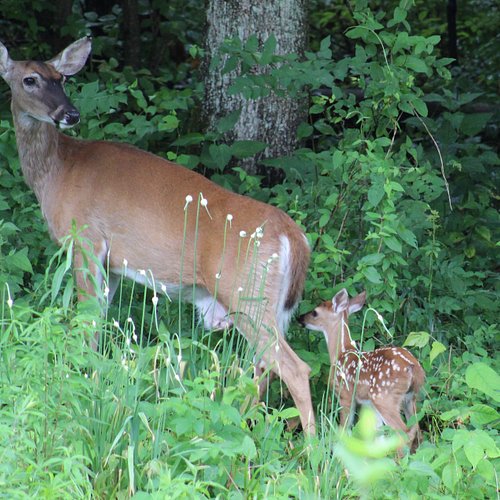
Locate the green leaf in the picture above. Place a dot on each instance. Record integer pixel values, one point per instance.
(372, 259)
(248, 448)
(393, 243)
(399, 14)
(244, 149)
(227, 123)
(220, 153)
(475, 122)
(288, 413)
(450, 476)
(473, 451)
(268, 50)
(460, 438)
(417, 339)
(4, 205)
(189, 139)
(416, 64)
(486, 469)
(481, 414)
(408, 237)
(372, 275)
(231, 65)
(482, 377)
(436, 350)
(484, 232)
(19, 260)
(420, 106)
(252, 43)
(304, 130)
(356, 33)
(376, 193)
(168, 123)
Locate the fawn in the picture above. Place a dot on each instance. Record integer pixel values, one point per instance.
(387, 379)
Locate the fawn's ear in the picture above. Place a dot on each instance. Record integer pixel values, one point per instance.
(357, 302)
(340, 302)
(72, 59)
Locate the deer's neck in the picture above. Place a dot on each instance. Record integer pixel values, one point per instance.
(339, 340)
(38, 144)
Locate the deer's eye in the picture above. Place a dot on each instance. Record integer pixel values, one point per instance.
(314, 314)
(29, 81)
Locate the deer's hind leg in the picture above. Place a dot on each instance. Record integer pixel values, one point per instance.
(410, 411)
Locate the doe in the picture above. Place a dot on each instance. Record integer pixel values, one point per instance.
(388, 378)
(134, 206)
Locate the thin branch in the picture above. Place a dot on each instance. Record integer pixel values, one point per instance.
(439, 154)
(396, 123)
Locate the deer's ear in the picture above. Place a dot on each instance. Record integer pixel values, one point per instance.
(5, 60)
(357, 303)
(340, 302)
(72, 59)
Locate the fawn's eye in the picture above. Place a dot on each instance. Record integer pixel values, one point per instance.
(314, 314)
(29, 81)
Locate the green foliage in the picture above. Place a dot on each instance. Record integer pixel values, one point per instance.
(396, 188)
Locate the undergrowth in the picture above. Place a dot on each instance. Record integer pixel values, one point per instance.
(395, 186)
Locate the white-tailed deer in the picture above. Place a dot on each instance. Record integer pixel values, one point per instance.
(388, 378)
(240, 261)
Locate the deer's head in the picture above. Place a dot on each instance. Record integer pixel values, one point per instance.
(330, 317)
(38, 87)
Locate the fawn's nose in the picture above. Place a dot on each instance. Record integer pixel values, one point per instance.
(71, 117)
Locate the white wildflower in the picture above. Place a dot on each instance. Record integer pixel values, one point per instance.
(189, 199)
(243, 234)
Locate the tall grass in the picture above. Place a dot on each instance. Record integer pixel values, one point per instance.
(168, 409)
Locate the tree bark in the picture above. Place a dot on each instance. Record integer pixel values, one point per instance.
(452, 30)
(272, 119)
(131, 33)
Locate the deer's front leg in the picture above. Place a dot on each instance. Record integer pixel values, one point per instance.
(88, 269)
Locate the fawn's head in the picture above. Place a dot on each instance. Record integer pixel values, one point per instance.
(38, 87)
(330, 317)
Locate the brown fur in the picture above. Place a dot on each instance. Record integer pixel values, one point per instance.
(388, 378)
(134, 206)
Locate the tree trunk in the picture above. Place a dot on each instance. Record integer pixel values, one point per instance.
(452, 30)
(131, 33)
(272, 119)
